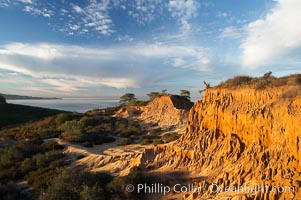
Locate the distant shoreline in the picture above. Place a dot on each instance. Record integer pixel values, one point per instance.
(80, 105)
(19, 97)
(33, 98)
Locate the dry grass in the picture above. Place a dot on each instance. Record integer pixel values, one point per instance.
(292, 92)
(260, 83)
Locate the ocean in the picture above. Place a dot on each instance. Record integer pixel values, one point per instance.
(80, 105)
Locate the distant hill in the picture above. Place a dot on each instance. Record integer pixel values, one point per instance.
(19, 97)
(11, 114)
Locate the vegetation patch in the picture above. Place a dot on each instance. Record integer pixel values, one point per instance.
(12, 114)
(260, 83)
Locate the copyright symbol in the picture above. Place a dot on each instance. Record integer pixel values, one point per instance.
(130, 188)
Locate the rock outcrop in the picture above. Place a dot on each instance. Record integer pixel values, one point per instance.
(239, 138)
(168, 110)
(164, 111)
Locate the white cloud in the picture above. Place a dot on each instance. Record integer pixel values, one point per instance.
(97, 15)
(183, 10)
(190, 57)
(26, 1)
(125, 38)
(74, 18)
(70, 67)
(38, 11)
(223, 14)
(74, 27)
(42, 51)
(230, 32)
(178, 62)
(94, 16)
(274, 36)
(143, 11)
(77, 9)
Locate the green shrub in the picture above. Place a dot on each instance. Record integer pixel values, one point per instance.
(11, 192)
(41, 178)
(169, 137)
(87, 144)
(90, 121)
(135, 102)
(146, 142)
(63, 117)
(99, 139)
(74, 184)
(51, 146)
(236, 81)
(261, 84)
(158, 141)
(135, 177)
(150, 136)
(124, 141)
(72, 131)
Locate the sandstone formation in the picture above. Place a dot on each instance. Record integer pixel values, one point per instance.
(168, 110)
(238, 137)
(164, 112)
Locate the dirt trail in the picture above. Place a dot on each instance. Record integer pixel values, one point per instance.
(105, 157)
(110, 157)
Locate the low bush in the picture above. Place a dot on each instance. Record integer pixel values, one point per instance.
(124, 141)
(291, 93)
(146, 141)
(75, 184)
(135, 177)
(11, 192)
(236, 81)
(158, 141)
(169, 137)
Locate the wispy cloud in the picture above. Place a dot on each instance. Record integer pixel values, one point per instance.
(125, 38)
(8, 3)
(230, 33)
(27, 1)
(223, 14)
(37, 11)
(96, 16)
(183, 10)
(274, 36)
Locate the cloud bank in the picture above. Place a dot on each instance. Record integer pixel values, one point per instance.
(71, 67)
(275, 36)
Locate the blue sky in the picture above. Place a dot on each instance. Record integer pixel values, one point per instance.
(108, 47)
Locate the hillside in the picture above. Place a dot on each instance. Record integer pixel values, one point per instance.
(20, 97)
(11, 114)
(238, 137)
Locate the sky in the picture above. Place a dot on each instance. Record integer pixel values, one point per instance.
(88, 48)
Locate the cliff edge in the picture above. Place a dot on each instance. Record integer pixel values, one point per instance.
(239, 137)
(167, 110)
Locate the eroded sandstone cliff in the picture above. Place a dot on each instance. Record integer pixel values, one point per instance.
(168, 110)
(238, 137)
